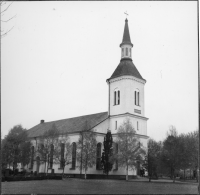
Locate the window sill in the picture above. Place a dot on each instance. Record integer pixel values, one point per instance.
(116, 104)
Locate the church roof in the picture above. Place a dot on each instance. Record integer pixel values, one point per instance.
(126, 67)
(126, 37)
(69, 125)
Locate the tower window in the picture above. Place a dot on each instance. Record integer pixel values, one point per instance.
(137, 125)
(115, 125)
(116, 97)
(126, 51)
(130, 52)
(137, 97)
(122, 52)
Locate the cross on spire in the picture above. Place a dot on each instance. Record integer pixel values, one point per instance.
(126, 14)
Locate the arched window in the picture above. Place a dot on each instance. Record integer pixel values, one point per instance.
(51, 156)
(130, 52)
(73, 155)
(32, 156)
(62, 147)
(98, 161)
(116, 97)
(137, 97)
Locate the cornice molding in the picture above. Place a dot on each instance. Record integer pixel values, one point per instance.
(124, 77)
(127, 113)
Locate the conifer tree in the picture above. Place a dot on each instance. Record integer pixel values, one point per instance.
(107, 153)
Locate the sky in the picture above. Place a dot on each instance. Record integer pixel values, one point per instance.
(56, 59)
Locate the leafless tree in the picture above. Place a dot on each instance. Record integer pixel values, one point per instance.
(4, 7)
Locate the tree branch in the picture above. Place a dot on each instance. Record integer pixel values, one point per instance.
(8, 19)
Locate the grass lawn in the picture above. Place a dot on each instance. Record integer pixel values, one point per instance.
(80, 186)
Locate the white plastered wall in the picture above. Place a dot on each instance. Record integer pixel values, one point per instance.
(127, 86)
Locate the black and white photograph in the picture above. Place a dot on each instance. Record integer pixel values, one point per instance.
(99, 97)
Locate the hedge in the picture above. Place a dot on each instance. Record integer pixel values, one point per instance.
(24, 178)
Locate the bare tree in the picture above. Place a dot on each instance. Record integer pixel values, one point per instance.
(4, 7)
(46, 150)
(63, 152)
(86, 150)
(130, 149)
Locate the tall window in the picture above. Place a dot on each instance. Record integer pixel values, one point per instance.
(126, 51)
(62, 145)
(116, 97)
(115, 125)
(32, 156)
(122, 52)
(73, 155)
(130, 52)
(51, 156)
(137, 125)
(98, 161)
(137, 97)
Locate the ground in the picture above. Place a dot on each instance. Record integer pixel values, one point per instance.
(81, 186)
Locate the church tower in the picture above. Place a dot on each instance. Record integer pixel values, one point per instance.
(126, 91)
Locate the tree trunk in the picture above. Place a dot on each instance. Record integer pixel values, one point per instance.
(44, 166)
(63, 171)
(149, 178)
(174, 178)
(85, 174)
(127, 172)
(184, 175)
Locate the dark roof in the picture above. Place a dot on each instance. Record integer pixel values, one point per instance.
(126, 67)
(126, 37)
(75, 124)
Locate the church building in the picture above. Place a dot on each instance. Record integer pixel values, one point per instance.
(125, 100)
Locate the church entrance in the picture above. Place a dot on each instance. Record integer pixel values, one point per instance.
(38, 164)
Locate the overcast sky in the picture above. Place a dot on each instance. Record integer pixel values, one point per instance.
(56, 59)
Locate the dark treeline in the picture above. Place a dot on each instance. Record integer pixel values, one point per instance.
(173, 156)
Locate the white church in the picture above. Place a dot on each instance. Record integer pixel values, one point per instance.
(125, 100)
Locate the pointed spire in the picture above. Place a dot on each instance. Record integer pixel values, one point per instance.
(126, 37)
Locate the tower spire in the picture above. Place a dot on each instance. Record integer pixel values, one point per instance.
(126, 37)
(126, 44)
